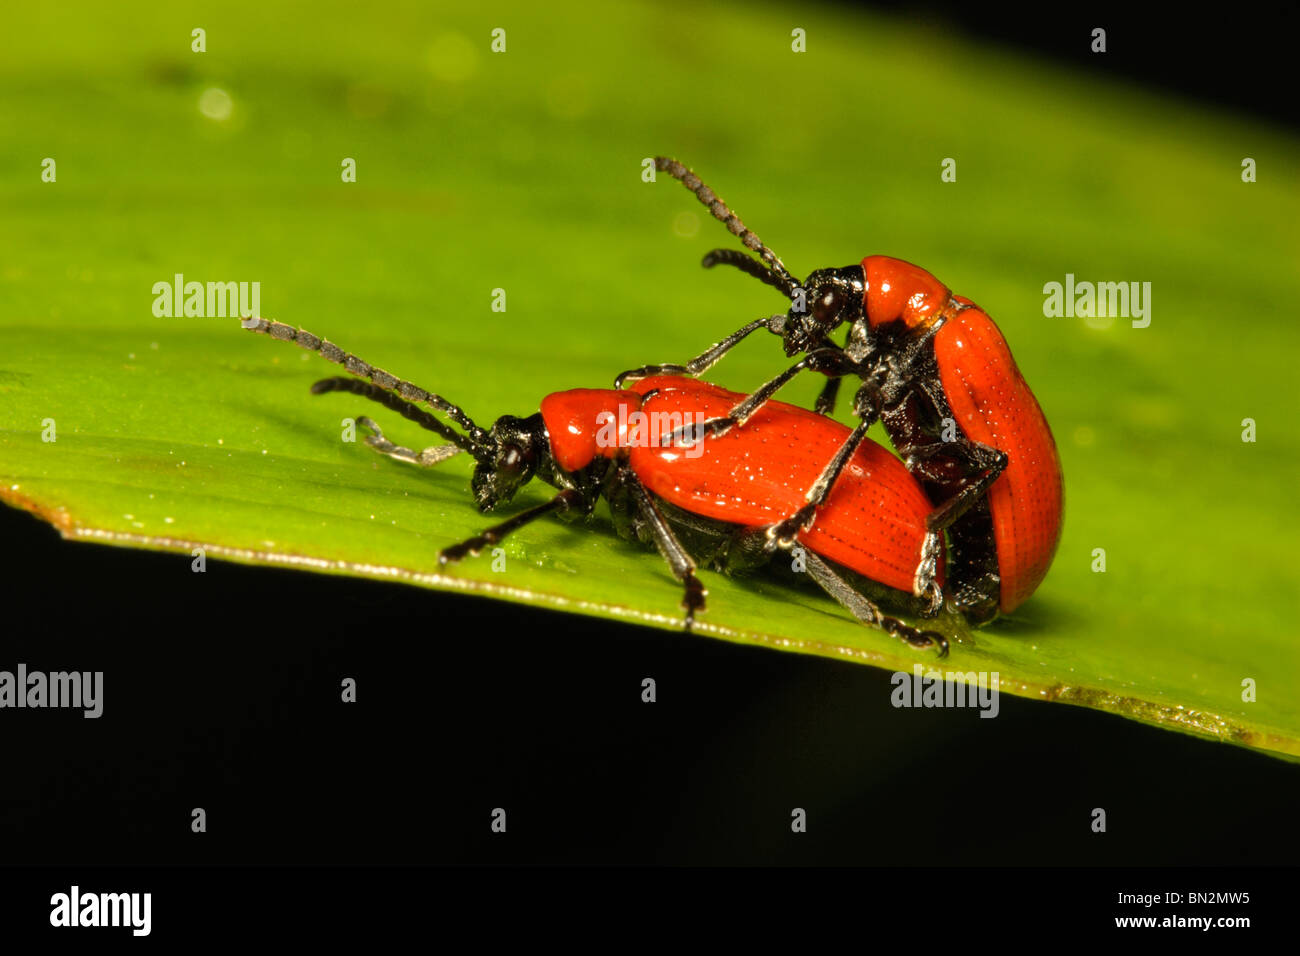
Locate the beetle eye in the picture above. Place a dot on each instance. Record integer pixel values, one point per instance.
(511, 457)
(827, 307)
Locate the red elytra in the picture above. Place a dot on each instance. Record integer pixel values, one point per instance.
(873, 523)
(993, 405)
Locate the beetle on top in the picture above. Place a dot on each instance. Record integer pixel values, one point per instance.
(936, 370)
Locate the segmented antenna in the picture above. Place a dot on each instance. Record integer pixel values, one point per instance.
(746, 264)
(782, 278)
(389, 383)
(396, 403)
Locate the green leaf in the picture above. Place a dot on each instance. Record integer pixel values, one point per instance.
(522, 171)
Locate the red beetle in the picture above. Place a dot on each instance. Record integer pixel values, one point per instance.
(936, 370)
(594, 443)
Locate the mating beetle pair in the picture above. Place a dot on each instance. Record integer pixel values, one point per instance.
(979, 462)
(936, 370)
(721, 500)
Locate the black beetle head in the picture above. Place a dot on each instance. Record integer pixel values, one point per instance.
(825, 301)
(518, 446)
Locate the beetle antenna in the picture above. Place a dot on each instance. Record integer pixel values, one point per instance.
(728, 218)
(477, 440)
(400, 405)
(748, 265)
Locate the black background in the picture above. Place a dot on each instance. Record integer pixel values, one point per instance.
(222, 689)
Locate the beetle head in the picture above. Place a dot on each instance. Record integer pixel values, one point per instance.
(518, 445)
(828, 299)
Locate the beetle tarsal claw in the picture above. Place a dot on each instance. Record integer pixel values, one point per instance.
(917, 638)
(934, 594)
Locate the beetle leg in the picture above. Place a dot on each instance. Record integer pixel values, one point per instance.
(783, 533)
(433, 455)
(702, 362)
(977, 600)
(690, 434)
(867, 612)
(982, 465)
(829, 360)
(825, 404)
(679, 562)
(925, 582)
(564, 501)
(826, 400)
(990, 463)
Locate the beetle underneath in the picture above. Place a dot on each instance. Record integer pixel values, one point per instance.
(874, 526)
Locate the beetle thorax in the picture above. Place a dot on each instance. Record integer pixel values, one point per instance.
(898, 291)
